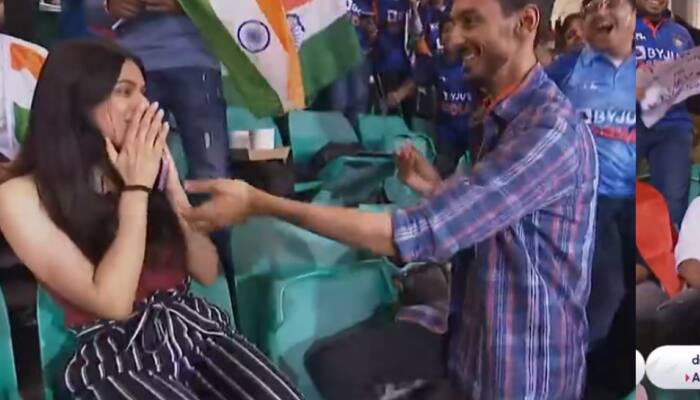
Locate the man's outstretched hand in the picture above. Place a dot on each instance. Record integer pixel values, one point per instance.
(230, 203)
(416, 171)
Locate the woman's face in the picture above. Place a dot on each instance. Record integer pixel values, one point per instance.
(113, 115)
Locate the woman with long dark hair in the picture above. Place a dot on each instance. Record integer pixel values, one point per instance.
(93, 209)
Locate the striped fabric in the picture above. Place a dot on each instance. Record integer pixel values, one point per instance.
(177, 346)
(20, 64)
(518, 325)
(279, 53)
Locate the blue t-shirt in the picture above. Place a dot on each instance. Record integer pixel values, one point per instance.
(430, 18)
(664, 42)
(604, 95)
(456, 99)
(360, 9)
(390, 50)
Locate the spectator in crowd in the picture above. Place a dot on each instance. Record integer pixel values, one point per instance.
(694, 32)
(93, 209)
(427, 45)
(678, 320)
(527, 206)
(545, 53)
(389, 57)
(80, 21)
(666, 145)
(455, 104)
(185, 78)
(600, 82)
(2, 15)
(350, 94)
(571, 35)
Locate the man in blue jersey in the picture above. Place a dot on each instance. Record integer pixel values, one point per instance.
(391, 63)
(350, 93)
(666, 145)
(600, 82)
(455, 103)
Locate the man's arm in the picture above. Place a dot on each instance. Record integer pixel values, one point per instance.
(367, 230)
(521, 176)
(233, 201)
(531, 168)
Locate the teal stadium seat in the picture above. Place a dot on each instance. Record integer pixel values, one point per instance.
(8, 376)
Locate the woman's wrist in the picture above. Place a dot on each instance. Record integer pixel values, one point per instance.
(133, 204)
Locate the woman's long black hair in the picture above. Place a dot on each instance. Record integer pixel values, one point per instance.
(63, 150)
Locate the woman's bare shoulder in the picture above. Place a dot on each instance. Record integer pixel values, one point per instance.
(21, 189)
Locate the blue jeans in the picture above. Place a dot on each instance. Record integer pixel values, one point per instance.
(350, 93)
(195, 98)
(614, 260)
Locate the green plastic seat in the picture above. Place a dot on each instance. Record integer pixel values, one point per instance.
(57, 344)
(352, 180)
(178, 153)
(265, 247)
(376, 129)
(307, 307)
(309, 131)
(8, 377)
(694, 182)
(217, 293)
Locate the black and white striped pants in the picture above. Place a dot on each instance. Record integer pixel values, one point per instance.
(176, 347)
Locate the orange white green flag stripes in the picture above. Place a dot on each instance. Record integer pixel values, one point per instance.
(20, 64)
(279, 53)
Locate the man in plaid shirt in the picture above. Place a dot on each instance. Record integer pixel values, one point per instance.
(517, 327)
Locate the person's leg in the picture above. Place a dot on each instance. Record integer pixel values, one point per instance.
(408, 106)
(200, 110)
(649, 295)
(199, 107)
(607, 273)
(447, 154)
(678, 322)
(359, 94)
(670, 163)
(339, 93)
(159, 89)
(358, 362)
(610, 310)
(231, 368)
(142, 385)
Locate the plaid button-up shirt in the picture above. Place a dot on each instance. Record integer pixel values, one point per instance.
(518, 321)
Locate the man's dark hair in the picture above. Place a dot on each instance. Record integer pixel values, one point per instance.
(545, 7)
(633, 3)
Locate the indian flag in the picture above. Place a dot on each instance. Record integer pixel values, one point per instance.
(279, 53)
(20, 64)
